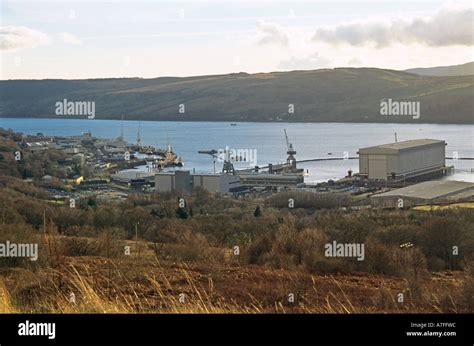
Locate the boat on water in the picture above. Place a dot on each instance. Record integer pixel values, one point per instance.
(161, 158)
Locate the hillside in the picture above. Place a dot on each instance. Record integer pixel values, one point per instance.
(281, 252)
(442, 71)
(328, 95)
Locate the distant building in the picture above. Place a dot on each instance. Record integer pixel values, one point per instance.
(130, 176)
(179, 181)
(37, 146)
(94, 183)
(75, 180)
(417, 159)
(268, 179)
(183, 181)
(216, 183)
(428, 192)
(71, 151)
(47, 178)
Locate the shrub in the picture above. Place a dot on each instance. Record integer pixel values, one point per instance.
(105, 245)
(309, 200)
(193, 247)
(468, 288)
(22, 234)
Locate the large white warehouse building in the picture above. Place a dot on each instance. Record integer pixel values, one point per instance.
(413, 159)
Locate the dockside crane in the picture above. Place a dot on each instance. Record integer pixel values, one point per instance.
(227, 168)
(214, 156)
(139, 140)
(290, 160)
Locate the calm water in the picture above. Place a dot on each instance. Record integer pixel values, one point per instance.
(314, 140)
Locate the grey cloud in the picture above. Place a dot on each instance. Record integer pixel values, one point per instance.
(447, 27)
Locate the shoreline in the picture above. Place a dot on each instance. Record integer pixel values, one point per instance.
(240, 121)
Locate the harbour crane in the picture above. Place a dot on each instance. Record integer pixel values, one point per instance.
(227, 168)
(214, 156)
(139, 141)
(291, 161)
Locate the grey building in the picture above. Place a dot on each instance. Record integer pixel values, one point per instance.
(128, 176)
(179, 181)
(413, 159)
(182, 181)
(221, 183)
(428, 192)
(164, 182)
(268, 179)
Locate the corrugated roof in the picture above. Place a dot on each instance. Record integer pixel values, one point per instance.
(395, 147)
(429, 189)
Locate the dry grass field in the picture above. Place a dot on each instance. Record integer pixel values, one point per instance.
(150, 284)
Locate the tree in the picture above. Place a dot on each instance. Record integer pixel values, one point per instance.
(182, 213)
(257, 212)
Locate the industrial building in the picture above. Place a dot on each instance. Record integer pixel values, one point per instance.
(428, 192)
(281, 175)
(417, 159)
(131, 176)
(221, 183)
(233, 181)
(183, 181)
(179, 181)
(268, 179)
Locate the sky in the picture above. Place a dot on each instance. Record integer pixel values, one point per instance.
(145, 38)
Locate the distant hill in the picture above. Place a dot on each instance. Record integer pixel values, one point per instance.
(328, 95)
(455, 70)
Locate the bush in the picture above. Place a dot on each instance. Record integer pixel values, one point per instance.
(258, 249)
(193, 247)
(309, 200)
(105, 245)
(22, 234)
(468, 288)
